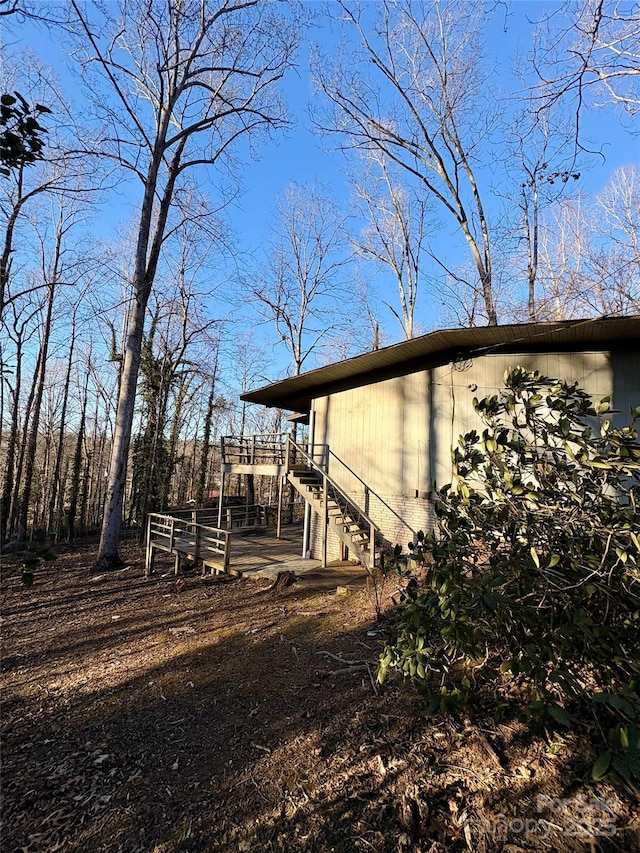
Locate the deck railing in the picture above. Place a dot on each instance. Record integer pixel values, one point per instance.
(265, 449)
(243, 515)
(180, 537)
(269, 449)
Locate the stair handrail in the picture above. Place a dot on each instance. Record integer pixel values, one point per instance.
(368, 488)
(334, 485)
(327, 480)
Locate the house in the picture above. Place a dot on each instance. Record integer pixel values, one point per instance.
(381, 426)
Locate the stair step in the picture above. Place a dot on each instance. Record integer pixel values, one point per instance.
(336, 509)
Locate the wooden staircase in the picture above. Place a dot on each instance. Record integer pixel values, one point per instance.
(353, 527)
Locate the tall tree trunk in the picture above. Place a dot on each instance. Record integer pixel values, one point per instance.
(176, 424)
(74, 491)
(23, 509)
(144, 274)
(84, 491)
(12, 452)
(108, 554)
(53, 515)
(206, 444)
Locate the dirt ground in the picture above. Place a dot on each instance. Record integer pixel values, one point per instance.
(216, 714)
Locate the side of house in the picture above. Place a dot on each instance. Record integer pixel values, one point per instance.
(387, 421)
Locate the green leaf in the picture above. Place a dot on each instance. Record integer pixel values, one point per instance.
(534, 557)
(491, 600)
(601, 765)
(620, 764)
(559, 715)
(553, 560)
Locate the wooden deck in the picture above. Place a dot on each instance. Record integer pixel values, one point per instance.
(252, 551)
(257, 554)
(220, 550)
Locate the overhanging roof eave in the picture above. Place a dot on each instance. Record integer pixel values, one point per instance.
(296, 392)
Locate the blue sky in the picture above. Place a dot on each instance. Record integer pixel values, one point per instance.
(302, 156)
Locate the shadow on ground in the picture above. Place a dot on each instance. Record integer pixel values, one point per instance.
(217, 715)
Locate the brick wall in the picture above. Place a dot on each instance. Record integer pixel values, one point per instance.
(398, 517)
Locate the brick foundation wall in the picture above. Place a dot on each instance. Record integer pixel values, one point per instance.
(397, 516)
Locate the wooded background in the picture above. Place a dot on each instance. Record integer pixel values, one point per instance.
(131, 314)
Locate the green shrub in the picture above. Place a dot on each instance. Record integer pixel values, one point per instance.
(533, 572)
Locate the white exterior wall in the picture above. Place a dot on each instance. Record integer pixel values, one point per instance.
(397, 434)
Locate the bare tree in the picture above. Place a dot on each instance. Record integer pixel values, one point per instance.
(180, 82)
(590, 252)
(588, 54)
(303, 290)
(66, 173)
(395, 235)
(416, 92)
(18, 332)
(168, 358)
(56, 491)
(203, 467)
(541, 168)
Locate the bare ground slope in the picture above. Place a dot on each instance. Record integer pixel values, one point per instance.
(218, 715)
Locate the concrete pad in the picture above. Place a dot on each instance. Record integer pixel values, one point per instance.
(258, 554)
(311, 575)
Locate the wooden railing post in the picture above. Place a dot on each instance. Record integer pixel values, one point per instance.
(221, 498)
(279, 521)
(227, 542)
(372, 547)
(148, 562)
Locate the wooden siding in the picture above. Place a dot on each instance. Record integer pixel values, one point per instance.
(397, 434)
(455, 386)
